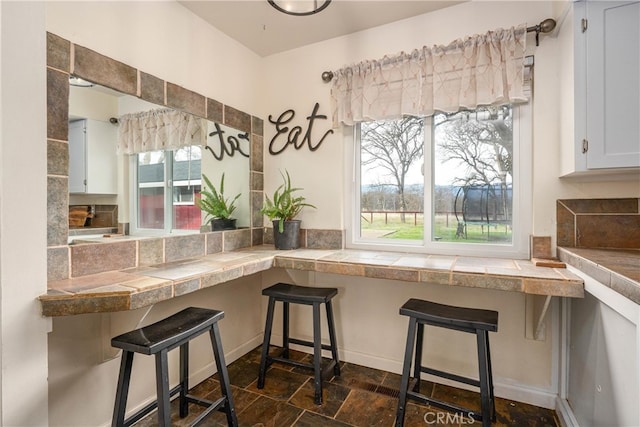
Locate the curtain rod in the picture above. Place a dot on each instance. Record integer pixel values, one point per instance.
(545, 26)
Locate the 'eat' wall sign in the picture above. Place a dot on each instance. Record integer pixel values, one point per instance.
(285, 137)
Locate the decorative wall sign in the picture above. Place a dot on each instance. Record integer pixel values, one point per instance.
(285, 136)
(228, 146)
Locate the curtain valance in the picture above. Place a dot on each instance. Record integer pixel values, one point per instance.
(485, 69)
(162, 129)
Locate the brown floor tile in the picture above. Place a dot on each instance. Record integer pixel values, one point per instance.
(333, 396)
(242, 372)
(356, 376)
(510, 413)
(242, 399)
(309, 419)
(359, 397)
(457, 396)
(279, 384)
(419, 415)
(363, 408)
(268, 412)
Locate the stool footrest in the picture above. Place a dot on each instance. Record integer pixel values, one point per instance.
(443, 405)
(148, 408)
(293, 294)
(450, 376)
(271, 359)
(212, 406)
(308, 343)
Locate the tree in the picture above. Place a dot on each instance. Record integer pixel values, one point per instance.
(482, 142)
(393, 146)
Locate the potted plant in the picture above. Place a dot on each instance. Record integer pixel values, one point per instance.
(217, 208)
(282, 209)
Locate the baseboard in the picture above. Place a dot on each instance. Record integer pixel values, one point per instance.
(565, 413)
(512, 391)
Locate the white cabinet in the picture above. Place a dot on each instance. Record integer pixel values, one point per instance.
(606, 88)
(603, 357)
(92, 157)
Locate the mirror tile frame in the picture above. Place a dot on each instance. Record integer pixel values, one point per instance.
(65, 58)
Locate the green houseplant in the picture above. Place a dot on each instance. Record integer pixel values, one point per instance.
(218, 209)
(282, 209)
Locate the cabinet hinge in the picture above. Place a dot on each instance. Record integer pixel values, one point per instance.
(585, 145)
(584, 24)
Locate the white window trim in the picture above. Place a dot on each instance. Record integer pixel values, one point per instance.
(522, 200)
(134, 228)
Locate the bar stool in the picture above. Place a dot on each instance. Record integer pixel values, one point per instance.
(301, 295)
(475, 321)
(157, 339)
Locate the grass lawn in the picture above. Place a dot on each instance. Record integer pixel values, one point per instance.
(445, 228)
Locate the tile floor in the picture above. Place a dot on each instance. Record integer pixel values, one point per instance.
(361, 396)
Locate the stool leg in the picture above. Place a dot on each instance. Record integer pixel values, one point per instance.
(265, 343)
(285, 329)
(225, 385)
(417, 365)
(317, 354)
(184, 379)
(491, 395)
(332, 338)
(406, 369)
(124, 378)
(484, 381)
(162, 387)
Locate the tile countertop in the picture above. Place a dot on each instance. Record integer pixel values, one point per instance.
(142, 286)
(618, 269)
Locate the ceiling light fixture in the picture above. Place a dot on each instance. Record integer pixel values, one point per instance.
(299, 7)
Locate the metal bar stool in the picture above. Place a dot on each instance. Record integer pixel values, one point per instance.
(301, 295)
(475, 321)
(157, 339)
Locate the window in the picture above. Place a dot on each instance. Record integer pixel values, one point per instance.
(166, 184)
(454, 183)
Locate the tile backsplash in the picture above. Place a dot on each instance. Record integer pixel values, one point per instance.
(598, 223)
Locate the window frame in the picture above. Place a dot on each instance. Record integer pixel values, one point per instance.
(522, 198)
(169, 218)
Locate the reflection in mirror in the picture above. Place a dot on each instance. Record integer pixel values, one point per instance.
(153, 191)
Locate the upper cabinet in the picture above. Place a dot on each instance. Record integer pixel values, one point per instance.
(92, 157)
(601, 39)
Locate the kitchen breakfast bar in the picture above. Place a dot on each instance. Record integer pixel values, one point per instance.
(117, 284)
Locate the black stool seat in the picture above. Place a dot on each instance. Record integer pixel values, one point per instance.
(447, 316)
(168, 333)
(287, 294)
(471, 320)
(157, 339)
(300, 294)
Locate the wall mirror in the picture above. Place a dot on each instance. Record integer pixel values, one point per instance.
(153, 191)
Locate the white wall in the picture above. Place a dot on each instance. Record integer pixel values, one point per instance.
(370, 331)
(84, 368)
(164, 39)
(294, 82)
(23, 215)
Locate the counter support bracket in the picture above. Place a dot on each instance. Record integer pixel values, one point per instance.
(537, 307)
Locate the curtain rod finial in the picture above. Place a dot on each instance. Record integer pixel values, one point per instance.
(547, 25)
(327, 76)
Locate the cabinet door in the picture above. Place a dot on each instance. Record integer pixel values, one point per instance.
(101, 157)
(613, 84)
(77, 157)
